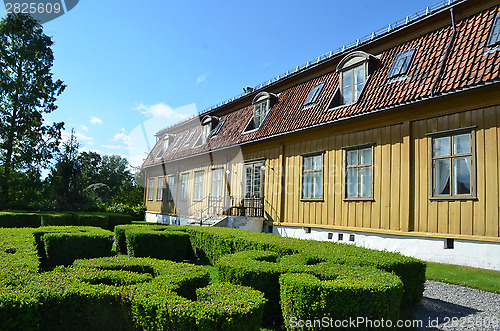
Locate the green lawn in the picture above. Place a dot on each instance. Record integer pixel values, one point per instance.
(481, 279)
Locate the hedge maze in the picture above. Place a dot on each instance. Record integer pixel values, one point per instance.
(66, 278)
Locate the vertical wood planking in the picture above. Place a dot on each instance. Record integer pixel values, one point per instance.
(395, 177)
(491, 172)
(454, 206)
(339, 181)
(386, 178)
(479, 211)
(406, 187)
(377, 177)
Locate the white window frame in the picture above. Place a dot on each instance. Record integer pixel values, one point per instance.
(198, 185)
(184, 180)
(161, 186)
(151, 189)
(452, 157)
(217, 184)
(358, 166)
(309, 196)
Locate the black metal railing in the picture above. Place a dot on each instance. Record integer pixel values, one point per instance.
(246, 206)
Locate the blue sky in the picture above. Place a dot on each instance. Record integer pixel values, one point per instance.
(138, 66)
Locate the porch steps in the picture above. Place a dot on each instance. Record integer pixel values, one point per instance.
(210, 220)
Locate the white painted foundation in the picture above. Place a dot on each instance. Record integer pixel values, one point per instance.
(476, 254)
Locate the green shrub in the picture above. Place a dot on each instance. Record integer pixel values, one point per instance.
(259, 270)
(354, 292)
(19, 220)
(228, 307)
(59, 219)
(90, 219)
(115, 219)
(120, 239)
(62, 245)
(155, 243)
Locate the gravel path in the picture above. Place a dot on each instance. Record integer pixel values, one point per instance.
(453, 307)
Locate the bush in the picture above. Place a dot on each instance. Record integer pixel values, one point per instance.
(19, 220)
(120, 238)
(213, 243)
(90, 219)
(159, 244)
(115, 219)
(62, 245)
(58, 219)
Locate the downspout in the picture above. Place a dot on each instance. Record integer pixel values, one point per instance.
(450, 43)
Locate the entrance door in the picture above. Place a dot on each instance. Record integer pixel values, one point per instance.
(254, 188)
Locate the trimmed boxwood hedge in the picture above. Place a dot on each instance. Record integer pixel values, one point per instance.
(140, 295)
(124, 293)
(19, 220)
(61, 245)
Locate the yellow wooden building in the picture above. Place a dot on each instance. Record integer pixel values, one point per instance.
(390, 142)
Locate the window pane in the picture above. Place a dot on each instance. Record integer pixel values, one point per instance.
(347, 78)
(461, 169)
(352, 157)
(442, 177)
(308, 163)
(318, 162)
(357, 91)
(366, 155)
(307, 185)
(352, 182)
(442, 146)
(318, 183)
(461, 143)
(358, 75)
(365, 177)
(347, 95)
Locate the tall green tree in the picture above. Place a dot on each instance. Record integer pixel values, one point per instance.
(27, 91)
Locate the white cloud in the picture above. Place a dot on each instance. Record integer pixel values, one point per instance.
(202, 78)
(84, 128)
(267, 64)
(141, 138)
(95, 120)
(162, 110)
(123, 137)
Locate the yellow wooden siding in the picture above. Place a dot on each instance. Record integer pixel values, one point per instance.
(477, 217)
(401, 178)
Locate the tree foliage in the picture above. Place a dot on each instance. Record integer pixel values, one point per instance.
(27, 91)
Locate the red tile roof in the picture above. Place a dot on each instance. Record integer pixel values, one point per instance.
(469, 63)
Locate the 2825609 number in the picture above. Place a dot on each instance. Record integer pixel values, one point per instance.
(32, 8)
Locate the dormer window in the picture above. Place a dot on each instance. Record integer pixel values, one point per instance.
(189, 137)
(207, 125)
(177, 141)
(262, 103)
(260, 112)
(353, 81)
(164, 146)
(400, 66)
(217, 129)
(313, 95)
(354, 71)
(495, 33)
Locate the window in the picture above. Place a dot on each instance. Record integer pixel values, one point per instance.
(353, 81)
(401, 63)
(184, 184)
(216, 190)
(312, 176)
(452, 165)
(205, 132)
(151, 187)
(313, 95)
(161, 185)
(198, 185)
(495, 33)
(354, 70)
(359, 172)
(189, 137)
(170, 188)
(260, 112)
(177, 141)
(262, 103)
(217, 129)
(164, 147)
